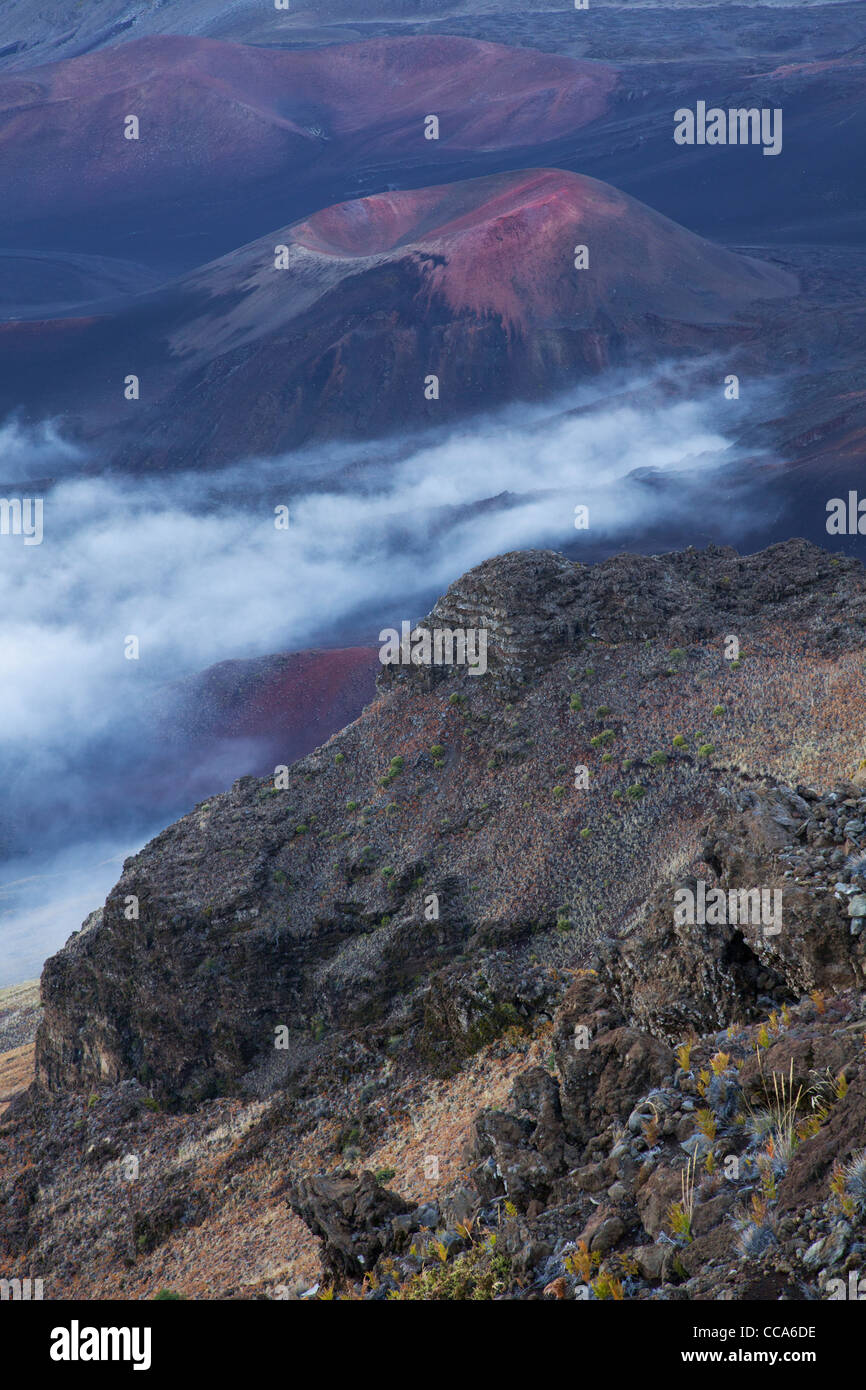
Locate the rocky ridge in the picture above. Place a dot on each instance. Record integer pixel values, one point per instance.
(619, 1050)
(303, 906)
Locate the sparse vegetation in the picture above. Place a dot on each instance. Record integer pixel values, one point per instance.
(606, 1286)
(395, 768)
(681, 1213)
(707, 1124)
(582, 1262)
(478, 1275)
(848, 1184)
(775, 1122)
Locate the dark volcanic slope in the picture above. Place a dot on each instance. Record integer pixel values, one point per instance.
(309, 906)
(473, 282)
(227, 131)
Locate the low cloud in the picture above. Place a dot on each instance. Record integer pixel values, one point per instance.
(195, 568)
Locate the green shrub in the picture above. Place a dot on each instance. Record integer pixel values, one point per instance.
(339, 758)
(394, 769)
(706, 750)
(679, 741)
(576, 702)
(349, 1138)
(437, 750)
(478, 1275)
(658, 759)
(602, 712)
(635, 792)
(718, 711)
(352, 805)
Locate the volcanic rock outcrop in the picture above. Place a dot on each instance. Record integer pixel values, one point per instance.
(448, 823)
(433, 945)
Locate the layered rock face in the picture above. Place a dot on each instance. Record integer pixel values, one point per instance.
(417, 876)
(803, 853)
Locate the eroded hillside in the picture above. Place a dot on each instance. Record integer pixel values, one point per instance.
(308, 906)
(288, 1002)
